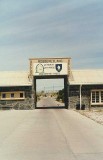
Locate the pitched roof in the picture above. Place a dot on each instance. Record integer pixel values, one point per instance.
(88, 76)
(14, 78)
(21, 78)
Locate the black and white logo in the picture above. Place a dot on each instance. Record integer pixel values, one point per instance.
(58, 67)
(39, 68)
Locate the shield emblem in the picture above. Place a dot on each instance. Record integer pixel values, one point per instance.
(58, 67)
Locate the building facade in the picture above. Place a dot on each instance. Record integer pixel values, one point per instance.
(84, 86)
(14, 86)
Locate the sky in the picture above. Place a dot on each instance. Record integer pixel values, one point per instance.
(51, 28)
(49, 85)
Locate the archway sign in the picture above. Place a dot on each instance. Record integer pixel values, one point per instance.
(49, 68)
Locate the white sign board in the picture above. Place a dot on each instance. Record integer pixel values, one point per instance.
(50, 68)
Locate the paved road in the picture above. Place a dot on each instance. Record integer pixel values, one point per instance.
(52, 134)
(49, 102)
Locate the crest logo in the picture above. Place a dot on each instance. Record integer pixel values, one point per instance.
(58, 67)
(39, 68)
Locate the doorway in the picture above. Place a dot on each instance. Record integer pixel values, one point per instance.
(48, 97)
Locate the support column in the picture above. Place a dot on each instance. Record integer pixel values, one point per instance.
(34, 92)
(68, 88)
(80, 96)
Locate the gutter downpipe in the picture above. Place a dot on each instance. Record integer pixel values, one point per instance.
(80, 96)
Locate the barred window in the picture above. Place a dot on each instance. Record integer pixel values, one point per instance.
(3, 95)
(12, 95)
(21, 95)
(93, 97)
(97, 97)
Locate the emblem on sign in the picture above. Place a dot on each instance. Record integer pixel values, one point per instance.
(39, 68)
(58, 67)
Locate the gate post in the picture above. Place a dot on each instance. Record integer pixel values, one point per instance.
(66, 91)
(34, 92)
(35, 99)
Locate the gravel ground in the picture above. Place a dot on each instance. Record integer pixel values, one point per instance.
(95, 114)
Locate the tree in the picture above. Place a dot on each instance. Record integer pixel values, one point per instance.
(60, 95)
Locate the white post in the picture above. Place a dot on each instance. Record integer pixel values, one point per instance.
(80, 96)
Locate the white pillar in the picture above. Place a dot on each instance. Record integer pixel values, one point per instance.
(80, 96)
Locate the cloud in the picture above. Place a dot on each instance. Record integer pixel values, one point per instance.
(50, 28)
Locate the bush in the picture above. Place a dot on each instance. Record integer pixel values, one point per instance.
(60, 95)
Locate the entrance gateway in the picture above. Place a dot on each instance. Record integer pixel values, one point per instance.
(50, 68)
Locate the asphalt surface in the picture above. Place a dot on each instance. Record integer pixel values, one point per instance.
(49, 102)
(49, 134)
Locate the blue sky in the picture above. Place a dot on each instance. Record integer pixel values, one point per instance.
(51, 28)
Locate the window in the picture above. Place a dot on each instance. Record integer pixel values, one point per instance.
(93, 97)
(16, 95)
(12, 95)
(97, 97)
(3, 95)
(21, 95)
